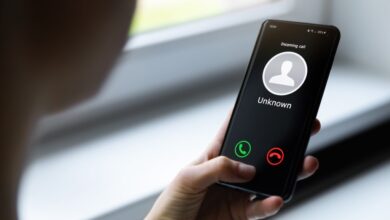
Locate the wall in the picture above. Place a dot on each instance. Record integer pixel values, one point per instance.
(365, 32)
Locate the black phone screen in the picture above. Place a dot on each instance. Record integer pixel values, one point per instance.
(278, 101)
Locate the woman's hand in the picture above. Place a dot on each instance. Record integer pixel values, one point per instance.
(194, 195)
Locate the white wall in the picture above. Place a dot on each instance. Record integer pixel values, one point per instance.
(365, 32)
(314, 11)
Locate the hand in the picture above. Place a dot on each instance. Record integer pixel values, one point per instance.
(194, 195)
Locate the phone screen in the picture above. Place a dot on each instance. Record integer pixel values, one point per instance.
(279, 99)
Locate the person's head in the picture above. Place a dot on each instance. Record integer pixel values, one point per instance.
(60, 51)
(286, 67)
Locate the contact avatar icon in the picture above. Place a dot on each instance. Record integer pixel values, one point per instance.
(284, 79)
(284, 73)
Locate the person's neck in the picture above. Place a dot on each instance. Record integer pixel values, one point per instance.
(18, 114)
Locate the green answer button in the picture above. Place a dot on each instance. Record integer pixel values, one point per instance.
(242, 149)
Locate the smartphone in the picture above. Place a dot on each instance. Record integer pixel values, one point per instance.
(278, 102)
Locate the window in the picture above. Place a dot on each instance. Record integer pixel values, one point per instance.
(225, 29)
(152, 14)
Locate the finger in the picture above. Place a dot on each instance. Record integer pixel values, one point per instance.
(316, 127)
(222, 131)
(198, 177)
(213, 150)
(264, 208)
(215, 146)
(310, 166)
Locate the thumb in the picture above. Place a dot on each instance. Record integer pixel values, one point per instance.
(199, 177)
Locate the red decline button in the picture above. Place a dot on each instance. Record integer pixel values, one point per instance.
(275, 156)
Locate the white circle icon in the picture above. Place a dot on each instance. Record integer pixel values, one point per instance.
(284, 73)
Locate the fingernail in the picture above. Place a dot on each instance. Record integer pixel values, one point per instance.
(246, 171)
(274, 211)
(277, 207)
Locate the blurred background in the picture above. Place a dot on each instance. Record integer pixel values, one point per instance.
(172, 88)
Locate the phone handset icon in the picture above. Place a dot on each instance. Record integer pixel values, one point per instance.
(275, 156)
(242, 149)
